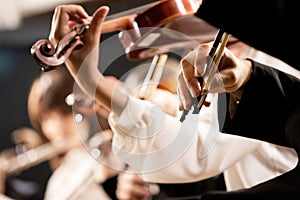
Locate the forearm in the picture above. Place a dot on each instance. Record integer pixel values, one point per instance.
(108, 92)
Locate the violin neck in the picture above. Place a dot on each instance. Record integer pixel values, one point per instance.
(119, 24)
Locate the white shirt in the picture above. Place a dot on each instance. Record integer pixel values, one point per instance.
(164, 150)
(76, 178)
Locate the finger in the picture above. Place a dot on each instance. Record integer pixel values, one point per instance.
(108, 134)
(200, 60)
(137, 180)
(222, 78)
(140, 193)
(131, 178)
(65, 17)
(180, 98)
(128, 195)
(72, 13)
(184, 95)
(227, 78)
(121, 193)
(97, 22)
(78, 15)
(127, 189)
(191, 81)
(134, 191)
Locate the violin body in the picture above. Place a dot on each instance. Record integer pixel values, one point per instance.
(151, 23)
(165, 11)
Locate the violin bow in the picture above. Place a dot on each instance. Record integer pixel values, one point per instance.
(153, 75)
(213, 61)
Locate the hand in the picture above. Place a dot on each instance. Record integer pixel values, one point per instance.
(65, 18)
(166, 100)
(132, 187)
(232, 75)
(83, 62)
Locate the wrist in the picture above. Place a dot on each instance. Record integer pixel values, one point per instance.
(237, 94)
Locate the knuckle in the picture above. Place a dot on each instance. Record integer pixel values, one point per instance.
(179, 75)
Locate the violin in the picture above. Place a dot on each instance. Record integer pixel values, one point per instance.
(131, 27)
(160, 88)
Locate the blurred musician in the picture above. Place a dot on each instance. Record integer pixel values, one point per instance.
(76, 174)
(13, 161)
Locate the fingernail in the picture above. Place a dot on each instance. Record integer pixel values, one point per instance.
(193, 93)
(183, 104)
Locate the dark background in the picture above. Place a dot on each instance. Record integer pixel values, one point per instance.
(18, 69)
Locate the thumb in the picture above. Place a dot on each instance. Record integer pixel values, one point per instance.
(97, 21)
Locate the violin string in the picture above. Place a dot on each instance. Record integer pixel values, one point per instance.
(129, 11)
(153, 75)
(148, 76)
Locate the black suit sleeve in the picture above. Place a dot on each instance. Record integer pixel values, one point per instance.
(269, 25)
(270, 97)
